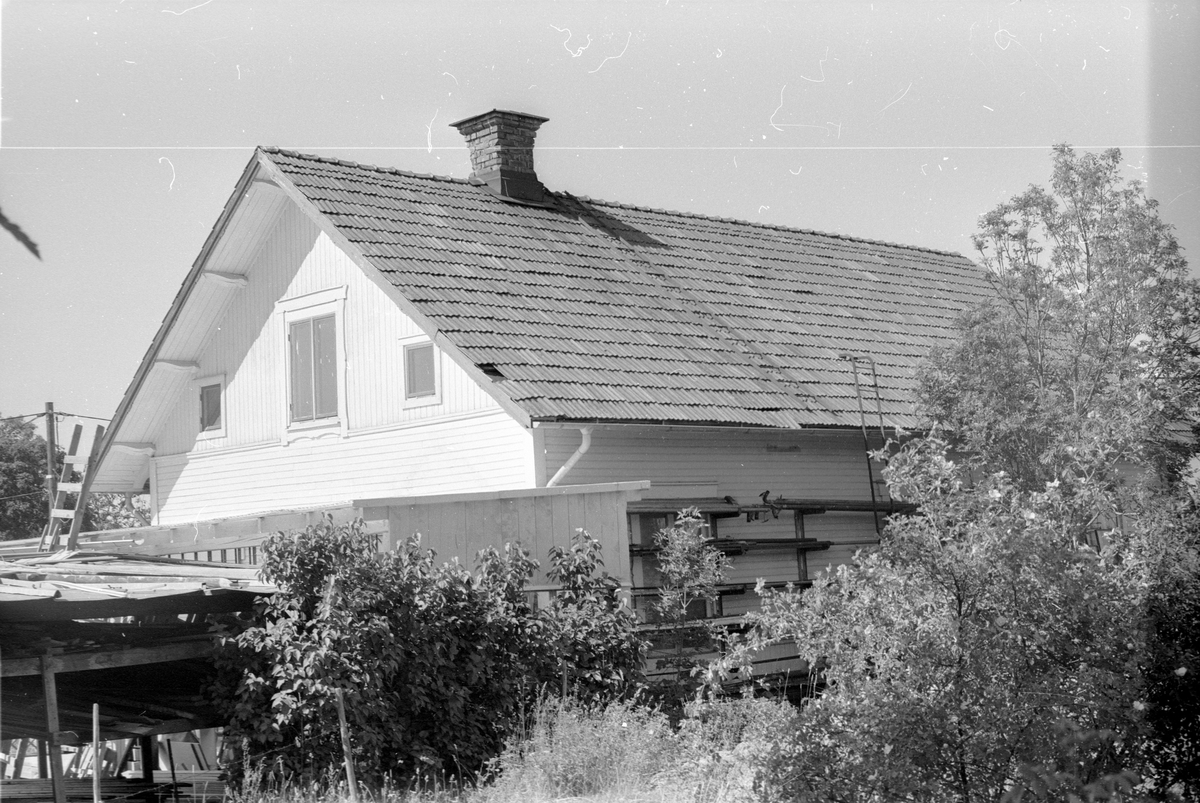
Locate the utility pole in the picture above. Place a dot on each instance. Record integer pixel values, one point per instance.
(51, 464)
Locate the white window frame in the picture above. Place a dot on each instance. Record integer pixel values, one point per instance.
(294, 310)
(435, 398)
(197, 386)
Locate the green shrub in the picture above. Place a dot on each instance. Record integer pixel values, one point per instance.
(435, 662)
(573, 749)
(593, 633)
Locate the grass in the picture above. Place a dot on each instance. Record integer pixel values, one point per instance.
(619, 753)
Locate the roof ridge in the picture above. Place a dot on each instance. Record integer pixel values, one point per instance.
(395, 171)
(771, 226)
(616, 204)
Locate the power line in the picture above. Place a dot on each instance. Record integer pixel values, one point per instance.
(79, 415)
(20, 417)
(22, 496)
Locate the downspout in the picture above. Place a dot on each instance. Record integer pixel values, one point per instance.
(584, 444)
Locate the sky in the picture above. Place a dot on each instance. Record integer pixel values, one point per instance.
(124, 126)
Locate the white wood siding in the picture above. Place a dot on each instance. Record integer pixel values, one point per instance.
(742, 464)
(486, 451)
(465, 442)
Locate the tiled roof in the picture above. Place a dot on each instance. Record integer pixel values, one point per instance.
(596, 311)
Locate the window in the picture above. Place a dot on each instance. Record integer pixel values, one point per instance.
(312, 392)
(312, 360)
(210, 407)
(420, 375)
(210, 397)
(422, 372)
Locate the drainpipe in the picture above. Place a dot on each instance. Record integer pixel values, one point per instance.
(584, 444)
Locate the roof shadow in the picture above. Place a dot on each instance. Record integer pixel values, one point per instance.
(596, 217)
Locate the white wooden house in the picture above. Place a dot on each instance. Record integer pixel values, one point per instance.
(370, 340)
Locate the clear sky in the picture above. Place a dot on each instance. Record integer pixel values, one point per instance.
(126, 124)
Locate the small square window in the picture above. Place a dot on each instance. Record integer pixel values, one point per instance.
(210, 407)
(420, 371)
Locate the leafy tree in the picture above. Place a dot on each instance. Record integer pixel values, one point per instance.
(690, 570)
(1026, 633)
(431, 659)
(116, 511)
(437, 664)
(22, 480)
(1090, 341)
(593, 632)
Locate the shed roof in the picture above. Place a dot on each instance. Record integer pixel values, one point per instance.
(128, 632)
(585, 310)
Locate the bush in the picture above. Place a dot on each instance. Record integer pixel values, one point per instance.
(435, 663)
(593, 633)
(573, 749)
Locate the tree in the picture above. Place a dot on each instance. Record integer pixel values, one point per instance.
(1013, 637)
(116, 511)
(1091, 338)
(598, 650)
(434, 661)
(690, 569)
(22, 480)
(438, 665)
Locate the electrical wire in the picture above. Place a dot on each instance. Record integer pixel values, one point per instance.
(21, 417)
(22, 496)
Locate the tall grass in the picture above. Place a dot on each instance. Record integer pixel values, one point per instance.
(623, 752)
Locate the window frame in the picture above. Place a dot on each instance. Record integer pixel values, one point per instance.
(198, 386)
(309, 307)
(407, 345)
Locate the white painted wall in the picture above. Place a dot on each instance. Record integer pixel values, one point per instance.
(387, 448)
(740, 463)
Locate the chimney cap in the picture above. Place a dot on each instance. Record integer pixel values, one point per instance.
(475, 117)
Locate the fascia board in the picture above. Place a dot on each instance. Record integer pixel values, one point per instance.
(407, 307)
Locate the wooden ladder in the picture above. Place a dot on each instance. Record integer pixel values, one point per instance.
(60, 514)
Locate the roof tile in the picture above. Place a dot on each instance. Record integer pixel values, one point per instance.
(603, 312)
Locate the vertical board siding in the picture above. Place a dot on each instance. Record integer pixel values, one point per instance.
(248, 347)
(462, 528)
(470, 444)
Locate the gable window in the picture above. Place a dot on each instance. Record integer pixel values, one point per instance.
(312, 350)
(210, 407)
(313, 365)
(420, 374)
(210, 393)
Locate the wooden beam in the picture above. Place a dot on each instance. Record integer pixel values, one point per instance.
(54, 752)
(236, 280)
(147, 745)
(132, 447)
(182, 366)
(110, 659)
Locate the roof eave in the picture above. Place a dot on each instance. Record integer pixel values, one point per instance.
(177, 305)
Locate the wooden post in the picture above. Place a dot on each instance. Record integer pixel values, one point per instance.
(149, 757)
(174, 782)
(51, 464)
(97, 758)
(54, 754)
(350, 777)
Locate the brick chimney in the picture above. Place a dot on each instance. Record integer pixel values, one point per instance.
(501, 144)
